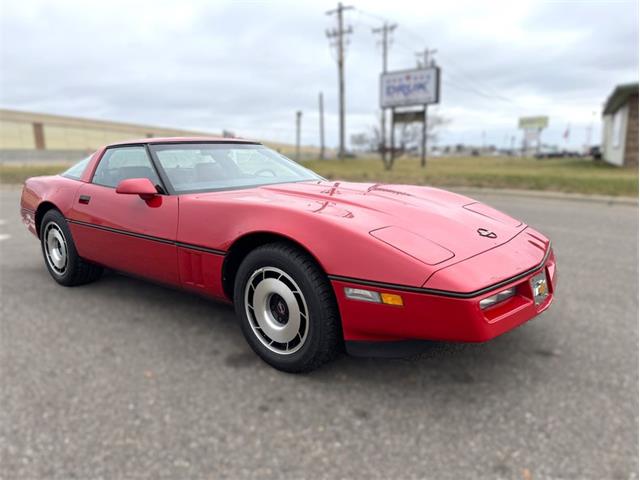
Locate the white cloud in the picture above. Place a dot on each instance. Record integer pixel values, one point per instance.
(248, 66)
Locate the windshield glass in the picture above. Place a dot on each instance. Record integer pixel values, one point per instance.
(218, 166)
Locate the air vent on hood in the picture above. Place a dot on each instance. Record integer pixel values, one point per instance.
(418, 247)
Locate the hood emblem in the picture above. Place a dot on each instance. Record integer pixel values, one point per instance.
(483, 232)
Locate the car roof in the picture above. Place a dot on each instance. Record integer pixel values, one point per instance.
(153, 140)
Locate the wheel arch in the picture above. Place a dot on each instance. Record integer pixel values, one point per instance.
(42, 209)
(243, 245)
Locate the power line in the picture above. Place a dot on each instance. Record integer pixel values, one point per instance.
(470, 78)
(339, 34)
(448, 71)
(476, 91)
(478, 85)
(454, 76)
(377, 18)
(360, 22)
(479, 88)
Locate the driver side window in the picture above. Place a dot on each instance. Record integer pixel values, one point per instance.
(121, 163)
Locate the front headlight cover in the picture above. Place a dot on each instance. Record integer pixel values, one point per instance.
(497, 298)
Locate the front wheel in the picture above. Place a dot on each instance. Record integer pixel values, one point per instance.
(287, 309)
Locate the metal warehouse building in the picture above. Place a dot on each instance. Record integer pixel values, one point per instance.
(25, 135)
(620, 126)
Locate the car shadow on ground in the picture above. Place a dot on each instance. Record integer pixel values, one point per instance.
(442, 364)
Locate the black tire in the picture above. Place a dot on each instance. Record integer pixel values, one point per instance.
(310, 288)
(66, 268)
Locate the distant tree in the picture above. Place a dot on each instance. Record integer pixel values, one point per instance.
(408, 138)
(361, 142)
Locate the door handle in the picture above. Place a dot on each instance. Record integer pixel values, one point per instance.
(84, 199)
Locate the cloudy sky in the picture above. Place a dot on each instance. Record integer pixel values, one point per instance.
(248, 66)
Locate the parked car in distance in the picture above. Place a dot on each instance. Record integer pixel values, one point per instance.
(595, 152)
(546, 152)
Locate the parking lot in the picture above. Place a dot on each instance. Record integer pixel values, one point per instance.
(126, 379)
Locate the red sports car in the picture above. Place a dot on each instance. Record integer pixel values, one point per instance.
(311, 266)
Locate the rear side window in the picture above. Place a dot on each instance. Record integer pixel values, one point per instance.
(78, 169)
(121, 163)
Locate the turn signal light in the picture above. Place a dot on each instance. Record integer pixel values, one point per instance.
(375, 297)
(391, 299)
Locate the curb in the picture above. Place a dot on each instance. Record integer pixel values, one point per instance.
(581, 197)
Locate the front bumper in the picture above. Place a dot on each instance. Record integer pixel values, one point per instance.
(428, 316)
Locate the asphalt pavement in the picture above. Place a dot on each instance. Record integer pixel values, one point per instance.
(127, 379)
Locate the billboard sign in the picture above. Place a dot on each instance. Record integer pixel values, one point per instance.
(407, 88)
(533, 123)
(411, 116)
(532, 135)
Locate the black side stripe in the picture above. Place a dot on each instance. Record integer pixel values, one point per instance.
(200, 249)
(371, 283)
(149, 237)
(445, 293)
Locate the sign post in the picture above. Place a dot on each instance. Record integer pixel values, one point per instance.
(423, 150)
(409, 88)
(532, 128)
(393, 136)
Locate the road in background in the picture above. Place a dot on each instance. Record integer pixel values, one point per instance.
(125, 379)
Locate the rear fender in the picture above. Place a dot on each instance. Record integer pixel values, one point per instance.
(40, 194)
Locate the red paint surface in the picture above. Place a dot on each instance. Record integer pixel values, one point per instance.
(157, 217)
(333, 222)
(432, 317)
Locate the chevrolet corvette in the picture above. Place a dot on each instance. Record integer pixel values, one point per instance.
(311, 266)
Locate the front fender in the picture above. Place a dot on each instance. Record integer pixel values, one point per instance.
(341, 246)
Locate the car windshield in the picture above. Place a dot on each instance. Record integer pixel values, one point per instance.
(223, 166)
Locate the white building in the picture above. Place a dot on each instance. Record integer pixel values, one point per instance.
(620, 126)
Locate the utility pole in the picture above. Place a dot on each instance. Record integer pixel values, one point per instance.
(339, 34)
(426, 62)
(425, 58)
(385, 31)
(321, 108)
(298, 118)
(589, 133)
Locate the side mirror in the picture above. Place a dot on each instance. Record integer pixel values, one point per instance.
(137, 186)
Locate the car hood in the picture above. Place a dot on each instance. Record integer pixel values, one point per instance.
(432, 225)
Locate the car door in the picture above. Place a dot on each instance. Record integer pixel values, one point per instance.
(126, 232)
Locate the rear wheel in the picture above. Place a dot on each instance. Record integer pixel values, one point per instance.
(287, 309)
(60, 254)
